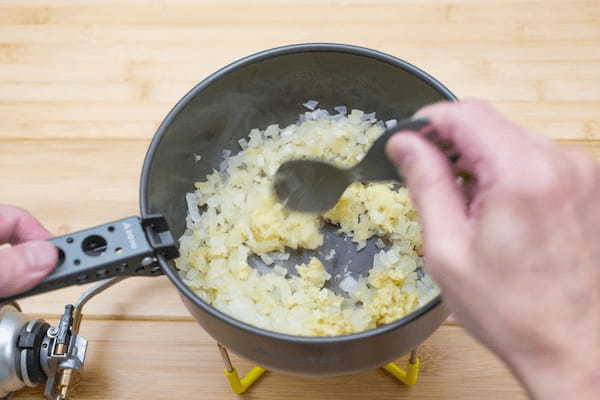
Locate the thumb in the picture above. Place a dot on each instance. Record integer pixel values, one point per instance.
(24, 265)
(432, 185)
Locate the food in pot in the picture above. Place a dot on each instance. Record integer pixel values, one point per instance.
(241, 216)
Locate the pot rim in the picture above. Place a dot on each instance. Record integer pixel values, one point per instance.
(182, 103)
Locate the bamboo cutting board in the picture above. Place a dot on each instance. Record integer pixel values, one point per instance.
(84, 84)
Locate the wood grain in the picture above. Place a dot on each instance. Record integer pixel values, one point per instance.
(158, 360)
(84, 85)
(109, 70)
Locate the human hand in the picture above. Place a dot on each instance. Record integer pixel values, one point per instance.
(517, 253)
(29, 258)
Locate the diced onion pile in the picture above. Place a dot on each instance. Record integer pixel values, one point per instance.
(243, 217)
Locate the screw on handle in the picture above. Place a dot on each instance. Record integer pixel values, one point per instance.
(126, 247)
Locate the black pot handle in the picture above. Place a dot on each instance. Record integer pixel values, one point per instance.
(127, 247)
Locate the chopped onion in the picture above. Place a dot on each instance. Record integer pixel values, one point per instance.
(343, 110)
(330, 255)
(311, 104)
(369, 116)
(266, 259)
(223, 165)
(192, 205)
(348, 284)
(280, 256)
(320, 113)
(391, 123)
(236, 248)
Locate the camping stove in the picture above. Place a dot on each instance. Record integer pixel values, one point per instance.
(32, 352)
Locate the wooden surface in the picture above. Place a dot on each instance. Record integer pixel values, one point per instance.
(84, 84)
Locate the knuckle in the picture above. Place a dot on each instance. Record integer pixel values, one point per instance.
(586, 165)
(475, 103)
(12, 209)
(585, 171)
(544, 179)
(461, 116)
(546, 183)
(9, 212)
(472, 106)
(561, 176)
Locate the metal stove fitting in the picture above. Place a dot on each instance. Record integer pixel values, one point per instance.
(32, 352)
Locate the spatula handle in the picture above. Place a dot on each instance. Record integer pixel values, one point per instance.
(376, 166)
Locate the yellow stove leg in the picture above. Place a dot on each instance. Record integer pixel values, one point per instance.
(409, 375)
(239, 386)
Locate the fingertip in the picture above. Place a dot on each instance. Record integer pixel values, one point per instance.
(419, 160)
(400, 148)
(41, 255)
(23, 266)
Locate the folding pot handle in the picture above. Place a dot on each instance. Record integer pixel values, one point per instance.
(127, 247)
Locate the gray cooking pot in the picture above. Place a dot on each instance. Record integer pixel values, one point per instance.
(259, 90)
(256, 91)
